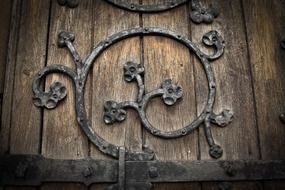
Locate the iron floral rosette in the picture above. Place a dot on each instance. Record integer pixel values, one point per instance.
(169, 91)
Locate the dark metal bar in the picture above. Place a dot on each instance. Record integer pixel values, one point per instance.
(32, 170)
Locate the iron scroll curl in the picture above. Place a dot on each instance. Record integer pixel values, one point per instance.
(58, 92)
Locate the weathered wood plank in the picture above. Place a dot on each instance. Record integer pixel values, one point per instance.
(31, 56)
(107, 78)
(9, 76)
(108, 81)
(234, 88)
(62, 137)
(264, 20)
(5, 14)
(235, 186)
(265, 29)
(273, 185)
(167, 59)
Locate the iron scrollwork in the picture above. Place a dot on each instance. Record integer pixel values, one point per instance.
(198, 15)
(116, 111)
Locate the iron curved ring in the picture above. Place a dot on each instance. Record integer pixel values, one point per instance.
(166, 33)
(146, 8)
(79, 77)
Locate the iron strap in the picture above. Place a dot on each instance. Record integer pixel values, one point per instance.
(32, 170)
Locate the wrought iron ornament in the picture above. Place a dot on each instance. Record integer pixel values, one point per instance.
(116, 111)
(199, 13)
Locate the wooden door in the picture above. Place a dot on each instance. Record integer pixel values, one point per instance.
(249, 82)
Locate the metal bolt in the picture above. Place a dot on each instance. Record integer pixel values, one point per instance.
(153, 173)
(88, 172)
(21, 170)
(229, 169)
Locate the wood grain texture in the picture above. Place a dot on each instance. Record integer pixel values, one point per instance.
(9, 76)
(265, 29)
(62, 137)
(166, 59)
(235, 186)
(234, 89)
(5, 14)
(108, 81)
(31, 57)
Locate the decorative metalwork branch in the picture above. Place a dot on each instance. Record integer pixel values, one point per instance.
(169, 91)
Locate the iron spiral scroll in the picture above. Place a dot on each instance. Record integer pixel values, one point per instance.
(116, 111)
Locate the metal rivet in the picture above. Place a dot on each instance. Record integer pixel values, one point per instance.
(21, 170)
(88, 172)
(229, 169)
(153, 173)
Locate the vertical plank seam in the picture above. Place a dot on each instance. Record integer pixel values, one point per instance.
(200, 184)
(13, 23)
(17, 21)
(44, 83)
(194, 78)
(89, 143)
(252, 82)
(6, 56)
(143, 137)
